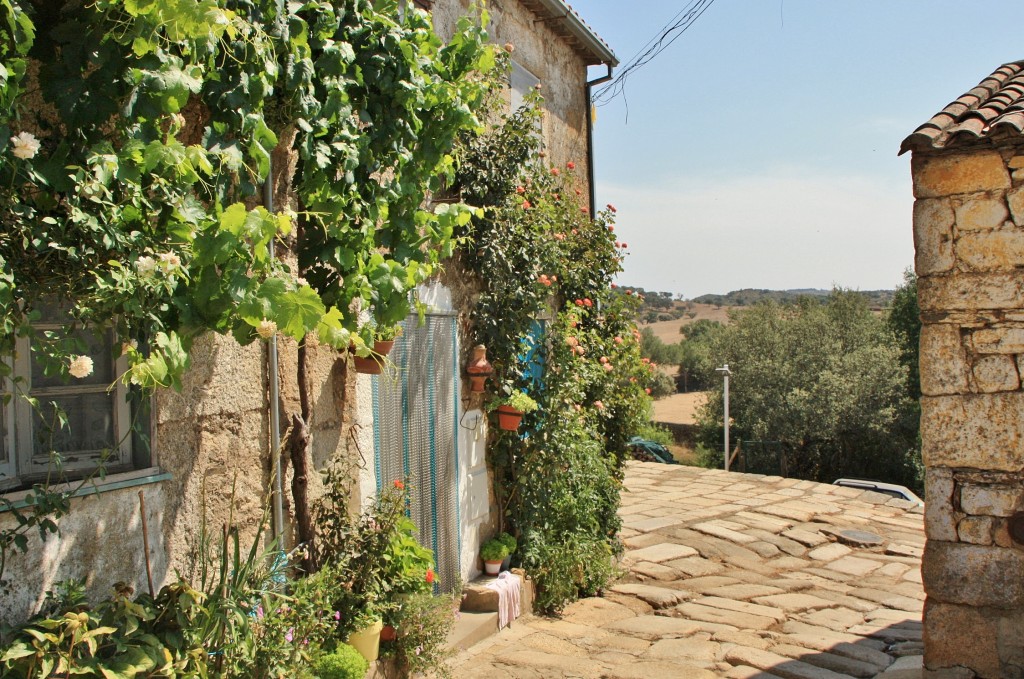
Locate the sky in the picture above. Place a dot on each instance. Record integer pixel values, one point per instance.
(760, 149)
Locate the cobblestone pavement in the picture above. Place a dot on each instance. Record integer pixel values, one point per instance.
(739, 576)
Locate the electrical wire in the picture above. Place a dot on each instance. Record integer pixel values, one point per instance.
(661, 41)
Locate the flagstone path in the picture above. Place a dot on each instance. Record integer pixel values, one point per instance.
(737, 576)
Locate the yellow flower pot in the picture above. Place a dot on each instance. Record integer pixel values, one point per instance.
(367, 641)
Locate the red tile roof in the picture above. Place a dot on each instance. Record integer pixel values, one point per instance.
(995, 108)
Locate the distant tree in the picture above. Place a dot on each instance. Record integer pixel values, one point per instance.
(824, 380)
(904, 321)
(696, 368)
(653, 348)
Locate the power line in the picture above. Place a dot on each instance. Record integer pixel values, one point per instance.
(661, 41)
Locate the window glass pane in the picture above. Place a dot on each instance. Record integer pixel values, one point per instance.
(97, 347)
(90, 426)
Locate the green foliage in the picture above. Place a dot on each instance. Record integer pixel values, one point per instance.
(904, 322)
(657, 433)
(494, 550)
(139, 219)
(509, 541)
(824, 380)
(344, 662)
(696, 361)
(218, 628)
(537, 252)
(521, 401)
(661, 384)
(422, 626)
(751, 296)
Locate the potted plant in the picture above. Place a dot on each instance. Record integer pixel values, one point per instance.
(510, 543)
(512, 408)
(371, 361)
(493, 552)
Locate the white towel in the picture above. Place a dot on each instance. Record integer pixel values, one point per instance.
(507, 585)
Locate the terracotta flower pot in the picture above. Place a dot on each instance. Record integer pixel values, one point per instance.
(509, 418)
(374, 363)
(492, 567)
(388, 633)
(478, 369)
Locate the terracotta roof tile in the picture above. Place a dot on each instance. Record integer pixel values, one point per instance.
(996, 105)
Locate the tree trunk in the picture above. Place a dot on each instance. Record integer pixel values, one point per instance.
(299, 448)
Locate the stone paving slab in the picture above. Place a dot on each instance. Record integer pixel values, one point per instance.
(738, 576)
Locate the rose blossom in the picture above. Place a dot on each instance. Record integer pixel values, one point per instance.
(80, 366)
(25, 146)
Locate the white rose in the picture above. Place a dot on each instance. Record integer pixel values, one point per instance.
(145, 266)
(25, 145)
(169, 261)
(80, 366)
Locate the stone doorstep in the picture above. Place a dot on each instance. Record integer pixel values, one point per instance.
(478, 598)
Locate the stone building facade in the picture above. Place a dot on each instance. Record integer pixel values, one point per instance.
(968, 179)
(210, 454)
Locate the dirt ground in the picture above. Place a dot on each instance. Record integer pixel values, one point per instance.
(668, 331)
(679, 408)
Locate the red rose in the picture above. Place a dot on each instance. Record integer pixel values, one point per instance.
(571, 165)
(526, 205)
(555, 171)
(520, 190)
(399, 485)
(430, 576)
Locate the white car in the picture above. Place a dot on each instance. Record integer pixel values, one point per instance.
(901, 492)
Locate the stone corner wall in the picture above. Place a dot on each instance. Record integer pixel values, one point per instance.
(969, 239)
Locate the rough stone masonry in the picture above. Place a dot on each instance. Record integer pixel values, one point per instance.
(969, 238)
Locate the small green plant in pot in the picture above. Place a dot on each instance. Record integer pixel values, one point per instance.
(512, 408)
(511, 544)
(493, 552)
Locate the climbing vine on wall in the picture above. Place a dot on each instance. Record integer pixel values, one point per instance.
(135, 140)
(539, 254)
(133, 156)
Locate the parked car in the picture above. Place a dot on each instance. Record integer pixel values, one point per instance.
(901, 492)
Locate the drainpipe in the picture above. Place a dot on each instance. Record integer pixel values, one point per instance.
(277, 502)
(590, 137)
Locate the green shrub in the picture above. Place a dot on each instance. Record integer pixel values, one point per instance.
(344, 662)
(494, 550)
(509, 541)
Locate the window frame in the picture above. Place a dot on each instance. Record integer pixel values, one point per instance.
(21, 465)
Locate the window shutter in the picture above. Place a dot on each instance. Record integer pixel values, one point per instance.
(522, 82)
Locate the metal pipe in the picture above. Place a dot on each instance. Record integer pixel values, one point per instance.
(725, 398)
(277, 497)
(590, 137)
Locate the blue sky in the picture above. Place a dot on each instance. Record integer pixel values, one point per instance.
(760, 148)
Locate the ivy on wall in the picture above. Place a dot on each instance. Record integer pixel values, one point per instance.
(150, 126)
(136, 137)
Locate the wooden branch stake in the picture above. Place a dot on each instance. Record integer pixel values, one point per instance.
(145, 543)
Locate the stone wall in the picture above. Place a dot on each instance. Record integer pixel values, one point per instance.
(969, 237)
(562, 73)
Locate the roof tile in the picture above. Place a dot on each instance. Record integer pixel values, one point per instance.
(995, 105)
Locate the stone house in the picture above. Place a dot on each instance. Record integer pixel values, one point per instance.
(968, 179)
(206, 454)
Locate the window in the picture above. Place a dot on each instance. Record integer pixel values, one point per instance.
(98, 416)
(522, 81)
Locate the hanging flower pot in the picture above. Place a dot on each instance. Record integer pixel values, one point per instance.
(479, 369)
(509, 418)
(374, 363)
